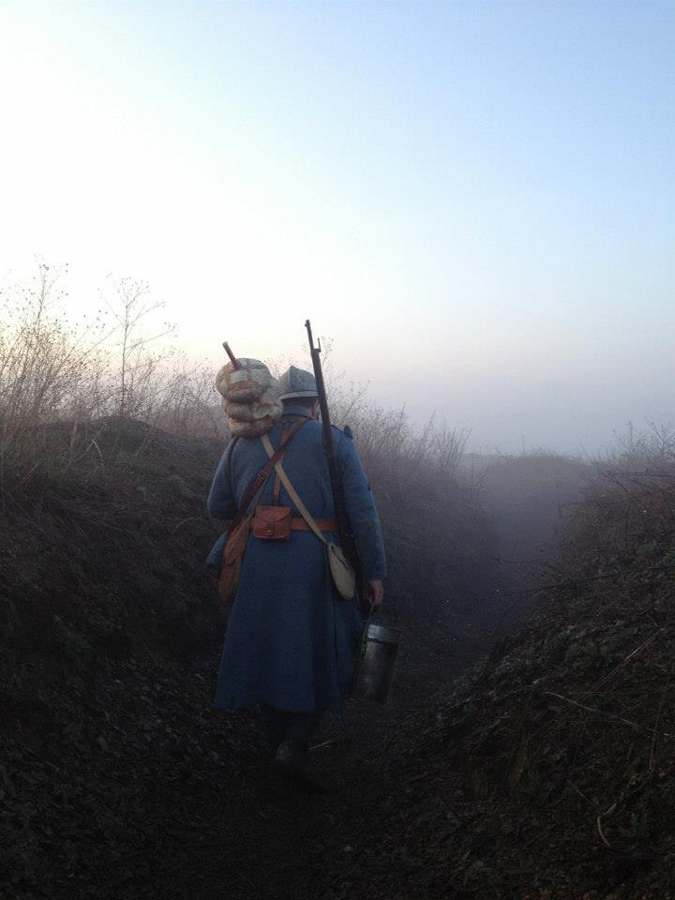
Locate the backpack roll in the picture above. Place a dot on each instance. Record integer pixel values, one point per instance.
(249, 396)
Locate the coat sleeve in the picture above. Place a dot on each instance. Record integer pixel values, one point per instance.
(363, 516)
(221, 502)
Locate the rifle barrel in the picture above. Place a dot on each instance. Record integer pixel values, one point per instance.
(344, 527)
(308, 326)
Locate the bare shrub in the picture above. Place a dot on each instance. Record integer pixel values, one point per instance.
(48, 368)
(53, 371)
(652, 450)
(189, 402)
(139, 388)
(631, 507)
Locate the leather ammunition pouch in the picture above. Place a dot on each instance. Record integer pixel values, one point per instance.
(272, 523)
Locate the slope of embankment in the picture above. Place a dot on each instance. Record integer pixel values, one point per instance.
(108, 735)
(547, 772)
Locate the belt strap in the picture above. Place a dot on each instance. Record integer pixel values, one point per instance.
(299, 524)
(292, 493)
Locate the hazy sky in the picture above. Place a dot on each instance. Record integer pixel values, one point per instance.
(475, 200)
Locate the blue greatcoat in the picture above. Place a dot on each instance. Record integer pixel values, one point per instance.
(291, 639)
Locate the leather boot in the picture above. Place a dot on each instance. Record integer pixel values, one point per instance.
(289, 769)
(291, 756)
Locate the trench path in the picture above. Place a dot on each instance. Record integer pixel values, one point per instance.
(246, 843)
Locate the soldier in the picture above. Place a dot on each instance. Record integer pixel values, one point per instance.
(292, 639)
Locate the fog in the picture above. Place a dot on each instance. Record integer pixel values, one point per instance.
(474, 202)
(582, 420)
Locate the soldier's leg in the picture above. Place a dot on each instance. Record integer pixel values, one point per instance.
(302, 726)
(275, 722)
(289, 768)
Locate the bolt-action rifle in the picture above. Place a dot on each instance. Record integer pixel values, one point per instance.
(344, 528)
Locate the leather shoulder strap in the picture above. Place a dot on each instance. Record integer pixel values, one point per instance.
(290, 490)
(262, 475)
(276, 493)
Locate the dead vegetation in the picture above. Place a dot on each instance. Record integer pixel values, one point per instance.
(54, 370)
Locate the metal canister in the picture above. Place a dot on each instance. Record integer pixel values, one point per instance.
(375, 667)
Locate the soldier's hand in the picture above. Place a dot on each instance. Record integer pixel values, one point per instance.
(375, 593)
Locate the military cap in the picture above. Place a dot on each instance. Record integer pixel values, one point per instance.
(297, 383)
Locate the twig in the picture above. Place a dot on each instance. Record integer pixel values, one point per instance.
(633, 653)
(598, 823)
(652, 752)
(419, 777)
(580, 792)
(600, 712)
(573, 583)
(100, 455)
(189, 519)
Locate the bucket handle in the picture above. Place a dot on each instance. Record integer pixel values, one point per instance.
(362, 649)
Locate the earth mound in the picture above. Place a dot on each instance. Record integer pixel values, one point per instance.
(547, 772)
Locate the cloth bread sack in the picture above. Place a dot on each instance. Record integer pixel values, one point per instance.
(249, 397)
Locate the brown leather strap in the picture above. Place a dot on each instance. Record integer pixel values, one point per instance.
(299, 524)
(285, 437)
(276, 495)
(261, 477)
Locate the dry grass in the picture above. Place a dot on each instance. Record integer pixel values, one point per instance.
(52, 370)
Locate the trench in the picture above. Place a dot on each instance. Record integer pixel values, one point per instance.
(118, 776)
(249, 844)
